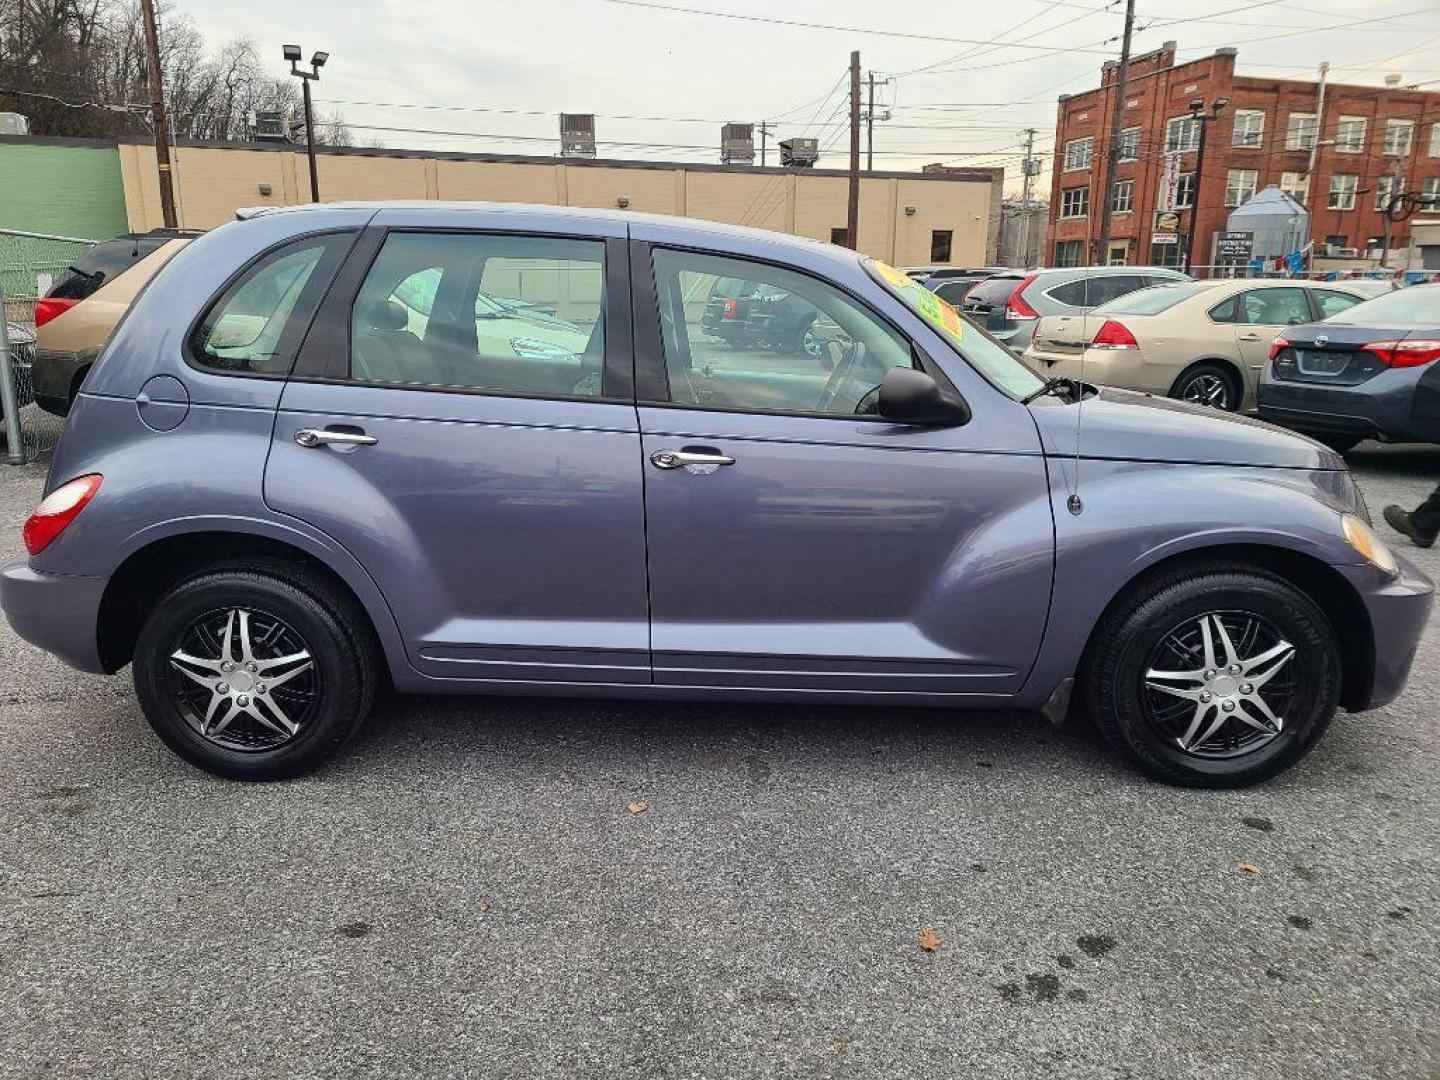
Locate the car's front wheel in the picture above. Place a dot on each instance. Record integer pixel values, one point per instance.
(1216, 675)
(254, 676)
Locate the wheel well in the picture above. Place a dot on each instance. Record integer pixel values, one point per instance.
(149, 573)
(1325, 586)
(1233, 373)
(78, 380)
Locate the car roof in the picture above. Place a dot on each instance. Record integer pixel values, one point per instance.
(697, 227)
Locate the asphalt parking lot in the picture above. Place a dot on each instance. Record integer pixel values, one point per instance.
(466, 893)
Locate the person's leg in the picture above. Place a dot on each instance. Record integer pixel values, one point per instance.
(1421, 524)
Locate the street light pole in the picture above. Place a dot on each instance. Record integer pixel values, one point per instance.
(292, 53)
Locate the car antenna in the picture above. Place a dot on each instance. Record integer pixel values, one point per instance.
(1074, 503)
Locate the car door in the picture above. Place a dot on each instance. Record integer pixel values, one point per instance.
(1260, 315)
(799, 542)
(489, 483)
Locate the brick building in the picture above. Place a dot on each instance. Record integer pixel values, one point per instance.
(1337, 156)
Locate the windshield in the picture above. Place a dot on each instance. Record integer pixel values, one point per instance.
(1415, 306)
(989, 357)
(1153, 300)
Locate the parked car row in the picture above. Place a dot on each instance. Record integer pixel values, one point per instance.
(304, 466)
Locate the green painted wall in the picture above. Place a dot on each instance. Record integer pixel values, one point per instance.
(62, 190)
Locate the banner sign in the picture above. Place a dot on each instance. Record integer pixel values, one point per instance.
(1170, 181)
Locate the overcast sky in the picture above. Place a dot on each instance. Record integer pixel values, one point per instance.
(631, 59)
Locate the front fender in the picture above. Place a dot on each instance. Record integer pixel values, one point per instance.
(1136, 515)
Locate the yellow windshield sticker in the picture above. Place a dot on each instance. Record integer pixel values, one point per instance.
(897, 278)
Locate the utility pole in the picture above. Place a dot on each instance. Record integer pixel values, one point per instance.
(870, 82)
(764, 131)
(1197, 112)
(1391, 201)
(852, 211)
(1319, 127)
(157, 114)
(1027, 168)
(1117, 121)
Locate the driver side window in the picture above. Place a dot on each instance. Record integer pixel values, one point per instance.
(757, 338)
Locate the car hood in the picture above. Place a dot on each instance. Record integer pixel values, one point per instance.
(1127, 426)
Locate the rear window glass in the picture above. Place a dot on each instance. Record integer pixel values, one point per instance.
(1153, 300)
(102, 264)
(993, 290)
(1415, 306)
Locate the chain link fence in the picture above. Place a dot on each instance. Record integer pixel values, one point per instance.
(29, 264)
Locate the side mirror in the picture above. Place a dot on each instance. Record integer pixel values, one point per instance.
(908, 396)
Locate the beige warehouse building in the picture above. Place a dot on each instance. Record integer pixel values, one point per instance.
(905, 218)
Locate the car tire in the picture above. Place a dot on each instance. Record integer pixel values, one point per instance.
(1208, 384)
(298, 629)
(1152, 643)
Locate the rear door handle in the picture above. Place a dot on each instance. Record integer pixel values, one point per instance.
(678, 459)
(327, 437)
(1249, 337)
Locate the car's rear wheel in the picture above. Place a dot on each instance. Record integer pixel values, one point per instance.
(1210, 385)
(1216, 675)
(253, 676)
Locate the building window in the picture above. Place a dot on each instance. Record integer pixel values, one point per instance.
(1070, 253)
(1119, 255)
(1350, 135)
(1122, 201)
(1435, 140)
(1430, 190)
(1185, 191)
(1300, 131)
(1342, 191)
(1078, 152)
(1399, 136)
(1074, 202)
(840, 236)
(1385, 186)
(1296, 185)
(940, 241)
(1240, 185)
(1168, 255)
(1335, 241)
(1129, 149)
(1182, 133)
(1249, 128)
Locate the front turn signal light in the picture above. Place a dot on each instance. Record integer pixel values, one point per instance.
(57, 510)
(1363, 539)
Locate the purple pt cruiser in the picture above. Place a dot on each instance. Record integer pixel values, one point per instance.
(493, 449)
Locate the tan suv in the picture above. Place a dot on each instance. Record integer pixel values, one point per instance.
(1200, 341)
(74, 319)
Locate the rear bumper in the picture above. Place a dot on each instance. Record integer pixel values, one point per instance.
(1398, 609)
(53, 375)
(58, 613)
(1389, 405)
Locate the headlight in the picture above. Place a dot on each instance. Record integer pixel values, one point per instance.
(534, 349)
(1363, 539)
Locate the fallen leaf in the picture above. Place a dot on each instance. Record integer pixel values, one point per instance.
(482, 907)
(929, 940)
(638, 807)
(1249, 867)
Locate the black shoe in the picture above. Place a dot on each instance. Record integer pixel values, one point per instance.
(1401, 522)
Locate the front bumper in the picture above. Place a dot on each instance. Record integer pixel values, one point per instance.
(57, 612)
(1398, 609)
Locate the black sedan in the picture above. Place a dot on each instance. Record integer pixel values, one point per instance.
(1367, 373)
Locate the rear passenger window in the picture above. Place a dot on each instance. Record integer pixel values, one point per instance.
(256, 325)
(494, 314)
(1273, 307)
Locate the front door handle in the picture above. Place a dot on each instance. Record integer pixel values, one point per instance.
(327, 437)
(678, 459)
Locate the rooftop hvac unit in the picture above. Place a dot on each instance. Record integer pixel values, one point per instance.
(577, 134)
(269, 126)
(13, 123)
(799, 153)
(737, 143)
